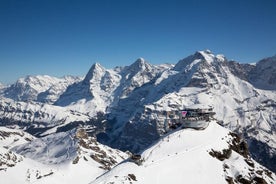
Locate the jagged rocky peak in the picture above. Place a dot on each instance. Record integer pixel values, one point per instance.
(138, 65)
(140, 61)
(95, 70)
(191, 60)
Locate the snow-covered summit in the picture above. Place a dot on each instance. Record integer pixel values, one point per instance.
(207, 55)
(140, 60)
(96, 71)
(199, 58)
(138, 66)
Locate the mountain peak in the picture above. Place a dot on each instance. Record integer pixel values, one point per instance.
(139, 62)
(192, 60)
(207, 51)
(96, 68)
(199, 57)
(206, 55)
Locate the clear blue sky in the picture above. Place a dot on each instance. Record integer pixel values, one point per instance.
(60, 37)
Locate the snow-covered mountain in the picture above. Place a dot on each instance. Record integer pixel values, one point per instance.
(214, 155)
(93, 94)
(102, 88)
(125, 107)
(65, 157)
(202, 78)
(41, 88)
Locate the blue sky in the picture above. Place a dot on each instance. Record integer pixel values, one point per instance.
(65, 37)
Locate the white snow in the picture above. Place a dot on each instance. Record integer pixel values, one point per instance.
(51, 159)
(209, 57)
(181, 157)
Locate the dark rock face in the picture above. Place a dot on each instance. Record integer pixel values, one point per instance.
(240, 70)
(221, 155)
(240, 146)
(263, 76)
(263, 154)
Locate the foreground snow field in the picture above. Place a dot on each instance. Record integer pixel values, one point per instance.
(185, 157)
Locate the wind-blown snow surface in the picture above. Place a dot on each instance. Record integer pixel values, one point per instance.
(184, 157)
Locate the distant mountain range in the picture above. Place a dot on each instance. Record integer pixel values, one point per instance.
(125, 109)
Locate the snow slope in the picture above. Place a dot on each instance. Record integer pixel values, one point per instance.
(185, 156)
(8, 139)
(66, 157)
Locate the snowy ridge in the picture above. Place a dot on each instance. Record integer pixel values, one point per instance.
(186, 156)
